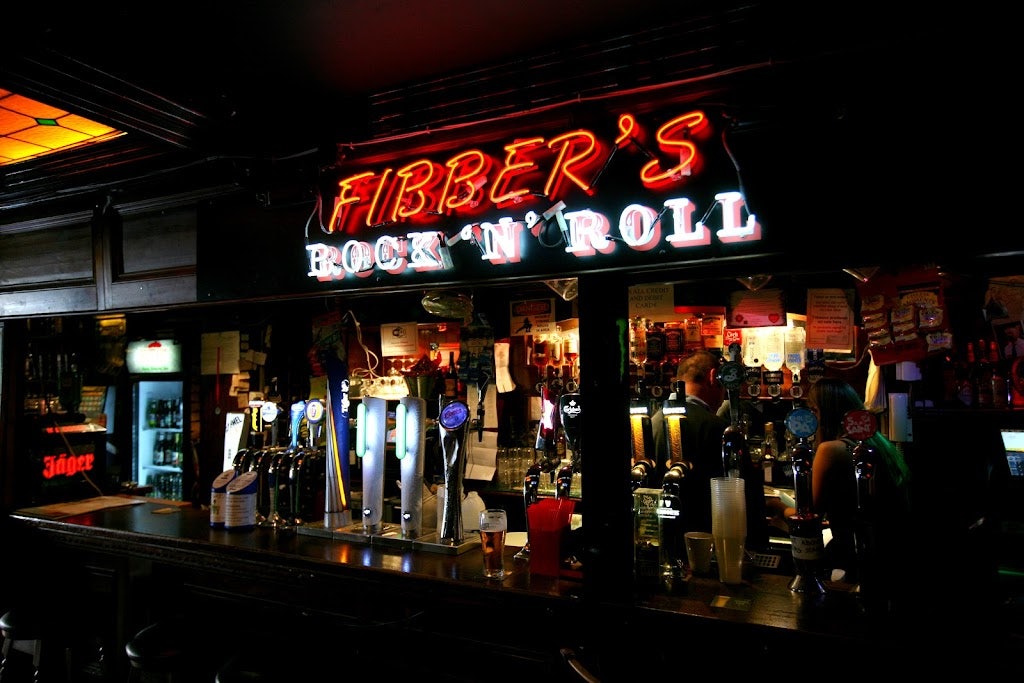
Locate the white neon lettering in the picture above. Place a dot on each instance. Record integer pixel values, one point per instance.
(639, 227)
(733, 229)
(588, 232)
(684, 232)
(323, 262)
(388, 254)
(500, 243)
(425, 253)
(356, 257)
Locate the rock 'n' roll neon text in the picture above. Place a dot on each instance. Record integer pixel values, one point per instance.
(586, 234)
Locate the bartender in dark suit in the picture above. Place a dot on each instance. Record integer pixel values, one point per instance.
(701, 436)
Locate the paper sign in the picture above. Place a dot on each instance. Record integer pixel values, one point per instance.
(762, 308)
(220, 353)
(654, 302)
(532, 316)
(399, 339)
(829, 320)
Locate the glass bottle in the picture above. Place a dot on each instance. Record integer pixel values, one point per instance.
(982, 376)
(1000, 387)
(451, 379)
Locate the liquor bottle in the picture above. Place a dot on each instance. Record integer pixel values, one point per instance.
(967, 390)
(656, 343)
(1000, 387)
(675, 342)
(451, 379)
(983, 376)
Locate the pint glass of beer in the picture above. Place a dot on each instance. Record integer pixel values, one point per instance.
(493, 526)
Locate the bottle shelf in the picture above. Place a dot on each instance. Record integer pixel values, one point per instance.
(162, 468)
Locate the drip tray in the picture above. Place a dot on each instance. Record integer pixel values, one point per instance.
(390, 536)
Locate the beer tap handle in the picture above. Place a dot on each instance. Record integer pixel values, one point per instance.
(482, 392)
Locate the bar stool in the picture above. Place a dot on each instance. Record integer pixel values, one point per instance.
(25, 632)
(171, 650)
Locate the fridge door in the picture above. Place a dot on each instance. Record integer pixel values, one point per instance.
(158, 437)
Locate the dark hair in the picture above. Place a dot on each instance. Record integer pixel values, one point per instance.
(696, 366)
(833, 397)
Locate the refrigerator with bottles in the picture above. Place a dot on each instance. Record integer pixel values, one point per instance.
(159, 431)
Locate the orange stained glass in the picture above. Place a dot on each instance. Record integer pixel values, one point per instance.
(30, 129)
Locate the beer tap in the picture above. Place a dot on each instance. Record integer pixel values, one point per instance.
(734, 444)
(531, 486)
(570, 410)
(674, 410)
(337, 487)
(737, 460)
(805, 525)
(547, 431)
(410, 440)
(371, 437)
(481, 391)
(453, 424)
(860, 425)
(641, 443)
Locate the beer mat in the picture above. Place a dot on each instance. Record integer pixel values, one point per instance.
(79, 507)
(733, 603)
(515, 539)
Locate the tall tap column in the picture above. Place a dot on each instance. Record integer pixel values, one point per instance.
(453, 423)
(337, 499)
(370, 446)
(410, 438)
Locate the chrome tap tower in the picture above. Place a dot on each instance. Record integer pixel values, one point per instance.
(371, 441)
(453, 425)
(410, 439)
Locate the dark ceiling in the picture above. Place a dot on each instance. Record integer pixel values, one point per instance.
(234, 84)
(268, 78)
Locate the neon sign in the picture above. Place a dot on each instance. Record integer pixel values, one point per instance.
(67, 465)
(531, 167)
(586, 234)
(426, 195)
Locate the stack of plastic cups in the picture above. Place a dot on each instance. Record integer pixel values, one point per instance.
(729, 526)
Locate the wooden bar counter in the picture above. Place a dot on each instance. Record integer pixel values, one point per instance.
(427, 610)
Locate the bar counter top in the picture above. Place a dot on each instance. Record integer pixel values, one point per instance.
(362, 583)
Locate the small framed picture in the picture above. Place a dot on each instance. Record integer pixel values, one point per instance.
(1009, 335)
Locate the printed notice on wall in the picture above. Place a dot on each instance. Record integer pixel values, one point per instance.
(830, 320)
(654, 302)
(398, 339)
(221, 353)
(532, 316)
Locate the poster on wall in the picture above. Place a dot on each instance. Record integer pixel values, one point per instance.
(654, 302)
(399, 339)
(532, 316)
(830, 320)
(760, 308)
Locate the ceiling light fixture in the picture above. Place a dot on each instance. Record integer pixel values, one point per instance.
(30, 129)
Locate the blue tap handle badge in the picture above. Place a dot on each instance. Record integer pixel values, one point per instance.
(453, 415)
(337, 504)
(802, 422)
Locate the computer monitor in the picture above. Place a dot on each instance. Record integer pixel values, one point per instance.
(1013, 443)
